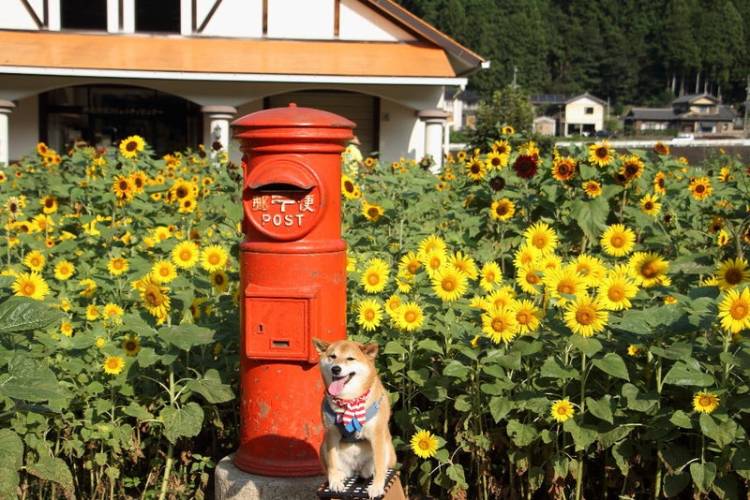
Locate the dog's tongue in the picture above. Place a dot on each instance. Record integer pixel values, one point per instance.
(337, 386)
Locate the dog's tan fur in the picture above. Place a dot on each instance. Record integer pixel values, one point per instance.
(372, 456)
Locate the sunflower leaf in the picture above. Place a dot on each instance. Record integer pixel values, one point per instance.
(19, 314)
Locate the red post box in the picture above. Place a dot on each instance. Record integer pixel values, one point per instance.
(293, 282)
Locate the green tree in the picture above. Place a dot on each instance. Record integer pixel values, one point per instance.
(508, 106)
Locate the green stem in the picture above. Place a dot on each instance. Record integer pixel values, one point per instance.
(170, 450)
(579, 472)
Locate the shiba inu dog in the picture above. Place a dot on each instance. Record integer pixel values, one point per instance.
(355, 413)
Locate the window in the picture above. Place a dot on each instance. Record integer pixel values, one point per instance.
(83, 14)
(157, 17)
(588, 111)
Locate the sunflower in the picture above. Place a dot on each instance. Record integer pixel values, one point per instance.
(631, 168)
(526, 165)
(722, 238)
(530, 277)
(661, 149)
(502, 210)
(601, 154)
(89, 287)
(618, 240)
(163, 271)
(66, 328)
(424, 444)
(500, 325)
(526, 255)
(499, 299)
(64, 270)
(219, 280)
(42, 149)
(375, 276)
(497, 160)
(123, 188)
(591, 269)
(369, 314)
(542, 237)
(633, 350)
(92, 312)
(349, 188)
(660, 183)
(34, 260)
(705, 402)
(131, 146)
(562, 410)
(700, 188)
(464, 264)
(431, 243)
(563, 282)
(117, 266)
(491, 275)
(550, 262)
(187, 206)
(410, 317)
(586, 316)
(30, 285)
(393, 305)
(410, 263)
(449, 284)
(649, 269)
(214, 258)
(154, 298)
(42, 223)
(49, 204)
(372, 211)
(138, 180)
(501, 147)
(507, 130)
(732, 272)
(527, 316)
(650, 205)
(433, 261)
(113, 365)
(564, 168)
(615, 292)
(185, 254)
(593, 189)
(131, 344)
(734, 310)
(476, 169)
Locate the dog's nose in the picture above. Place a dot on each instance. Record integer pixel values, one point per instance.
(336, 370)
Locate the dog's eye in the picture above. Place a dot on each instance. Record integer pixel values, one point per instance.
(350, 358)
(332, 356)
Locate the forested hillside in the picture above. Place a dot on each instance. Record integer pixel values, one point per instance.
(631, 51)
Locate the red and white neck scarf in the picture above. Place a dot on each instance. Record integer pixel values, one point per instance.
(348, 410)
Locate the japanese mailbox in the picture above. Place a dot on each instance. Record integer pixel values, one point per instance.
(293, 282)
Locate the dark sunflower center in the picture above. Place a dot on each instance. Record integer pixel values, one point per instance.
(131, 146)
(373, 212)
(585, 316)
(602, 153)
(349, 186)
(733, 276)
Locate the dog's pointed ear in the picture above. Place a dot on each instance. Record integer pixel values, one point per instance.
(369, 350)
(320, 345)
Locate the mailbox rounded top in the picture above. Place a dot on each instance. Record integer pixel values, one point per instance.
(291, 116)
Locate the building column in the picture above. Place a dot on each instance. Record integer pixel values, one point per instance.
(434, 121)
(216, 126)
(6, 107)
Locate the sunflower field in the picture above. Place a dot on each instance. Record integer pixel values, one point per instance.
(552, 325)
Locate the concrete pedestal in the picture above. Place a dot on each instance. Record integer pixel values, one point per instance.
(234, 484)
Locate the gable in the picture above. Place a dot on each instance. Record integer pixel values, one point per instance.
(703, 101)
(584, 102)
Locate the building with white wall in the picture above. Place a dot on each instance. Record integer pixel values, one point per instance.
(178, 71)
(574, 115)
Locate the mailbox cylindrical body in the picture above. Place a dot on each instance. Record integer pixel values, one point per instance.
(293, 282)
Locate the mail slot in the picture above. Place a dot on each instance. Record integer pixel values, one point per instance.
(293, 278)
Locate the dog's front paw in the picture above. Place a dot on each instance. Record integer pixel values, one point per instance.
(336, 482)
(375, 490)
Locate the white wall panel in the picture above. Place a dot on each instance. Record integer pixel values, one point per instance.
(300, 19)
(359, 22)
(233, 18)
(24, 127)
(14, 16)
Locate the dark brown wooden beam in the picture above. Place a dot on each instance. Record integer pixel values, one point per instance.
(336, 17)
(209, 16)
(30, 10)
(265, 17)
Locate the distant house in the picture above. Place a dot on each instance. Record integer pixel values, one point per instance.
(702, 113)
(580, 114)
(462, 106)
(545, 125)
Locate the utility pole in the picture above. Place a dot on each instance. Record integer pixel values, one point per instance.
(746, 123)
(515, 77)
